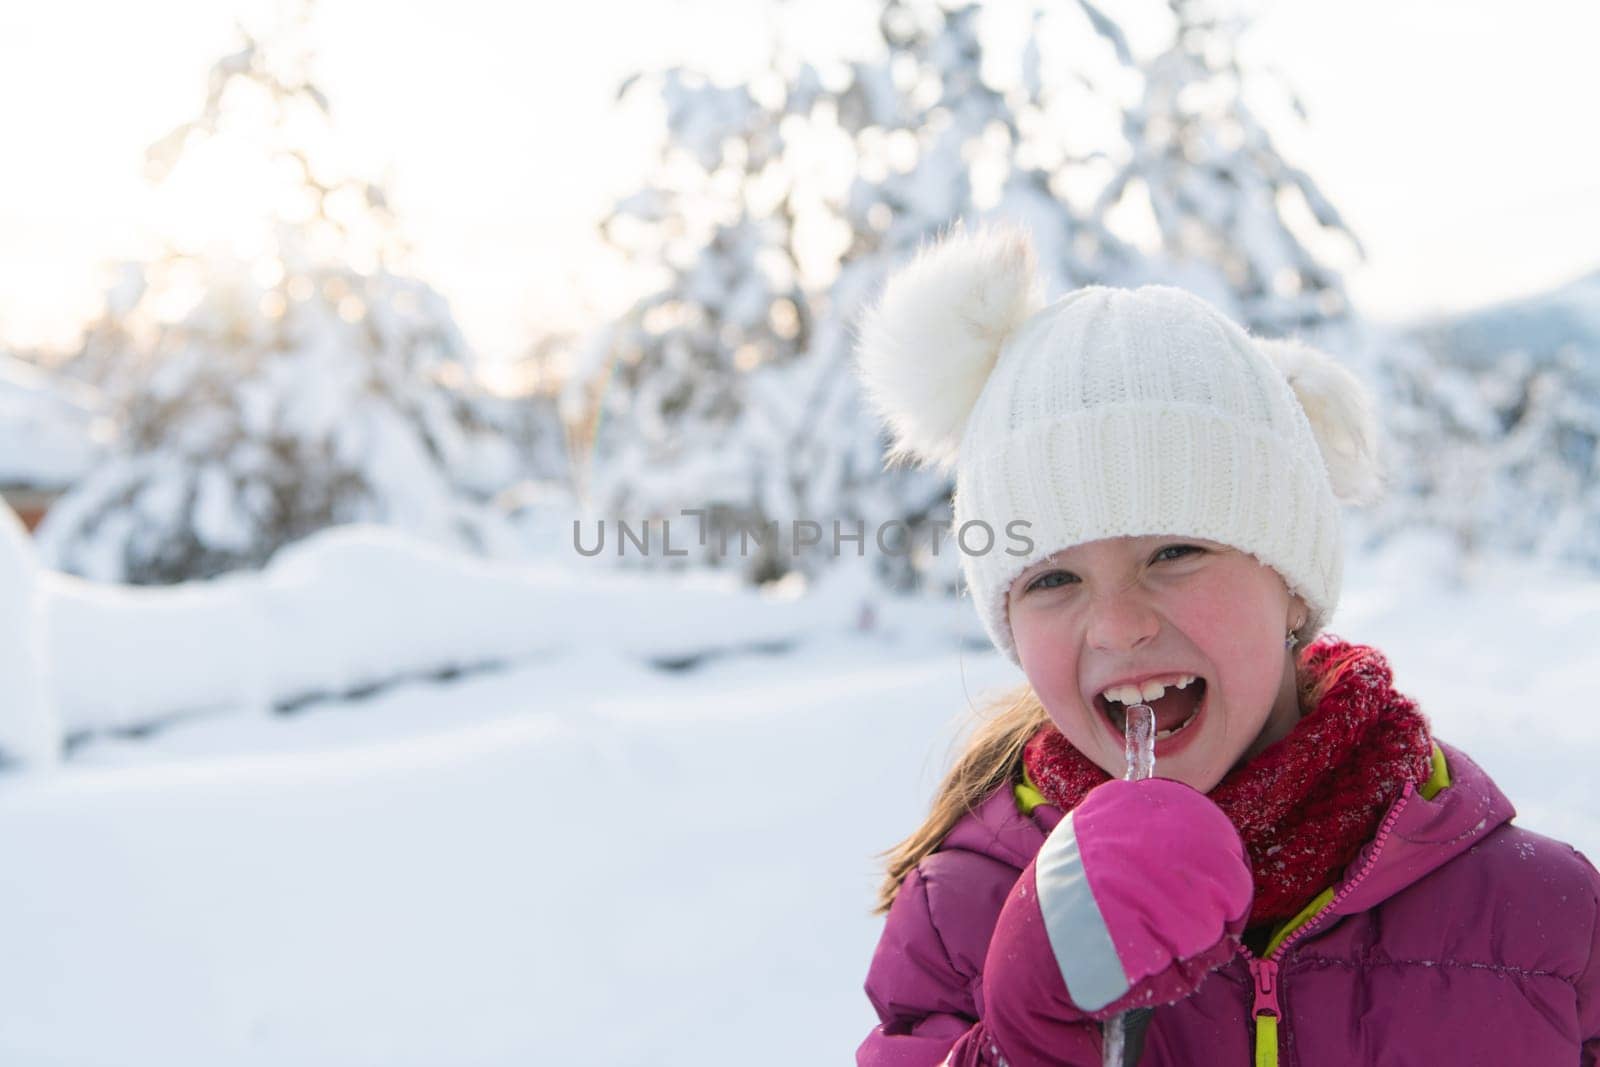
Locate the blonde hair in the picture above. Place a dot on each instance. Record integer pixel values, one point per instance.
(992, 760)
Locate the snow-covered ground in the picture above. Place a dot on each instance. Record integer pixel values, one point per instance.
(581, 851)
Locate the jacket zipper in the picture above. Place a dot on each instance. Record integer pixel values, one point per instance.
(1264, 972)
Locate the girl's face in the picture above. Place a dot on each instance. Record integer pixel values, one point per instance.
(1196, 626)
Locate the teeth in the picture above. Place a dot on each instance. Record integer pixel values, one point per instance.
(1161, 734)
(1153, 690)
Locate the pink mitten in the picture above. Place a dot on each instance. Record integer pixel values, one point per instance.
(1136, 895)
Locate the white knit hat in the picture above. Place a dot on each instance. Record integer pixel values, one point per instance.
(1110, 413)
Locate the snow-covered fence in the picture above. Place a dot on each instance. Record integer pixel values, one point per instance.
(357, 608)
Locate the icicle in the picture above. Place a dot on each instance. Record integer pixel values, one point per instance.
(1139, 748)
(1139, 742)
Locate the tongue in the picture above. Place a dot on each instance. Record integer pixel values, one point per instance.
(1176, 705)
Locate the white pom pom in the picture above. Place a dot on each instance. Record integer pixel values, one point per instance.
(927, 348)
(1340, 412)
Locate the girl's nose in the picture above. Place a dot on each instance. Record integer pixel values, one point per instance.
(1121, 622)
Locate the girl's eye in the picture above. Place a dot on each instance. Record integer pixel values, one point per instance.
(1044, 581)
(1171, 552)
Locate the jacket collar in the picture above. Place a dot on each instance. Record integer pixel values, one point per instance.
(1423, 833)
(1420, 835)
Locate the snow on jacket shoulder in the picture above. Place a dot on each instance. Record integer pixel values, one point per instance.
(1457, 938)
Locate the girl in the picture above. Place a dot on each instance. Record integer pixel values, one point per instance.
(1311, 878)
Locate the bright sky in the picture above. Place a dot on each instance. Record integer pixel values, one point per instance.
(1450, 133)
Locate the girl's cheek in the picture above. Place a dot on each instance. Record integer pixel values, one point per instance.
(1226, 616)
(1051, 666)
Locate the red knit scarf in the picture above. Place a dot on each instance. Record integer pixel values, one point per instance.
(1305, 805)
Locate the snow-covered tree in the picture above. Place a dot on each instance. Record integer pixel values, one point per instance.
(1232, 214)
(780, 204)
(292, 380)
(777, 207)
(1495, 420)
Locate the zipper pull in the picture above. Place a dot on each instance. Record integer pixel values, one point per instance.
(1265, 972)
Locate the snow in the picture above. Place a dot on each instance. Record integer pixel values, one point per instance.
(360, 607)
(263, 422)
(383, 802)
(50, 434)
(27, 729)
(1495, 666)
(579, 855)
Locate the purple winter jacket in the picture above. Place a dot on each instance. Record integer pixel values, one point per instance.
(1454, 938)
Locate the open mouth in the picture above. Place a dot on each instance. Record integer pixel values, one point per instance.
(1175, 708)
